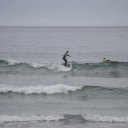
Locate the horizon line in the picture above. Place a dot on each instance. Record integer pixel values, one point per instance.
(62, 26)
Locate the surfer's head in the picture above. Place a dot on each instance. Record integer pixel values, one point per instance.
(67, 51)
(104, 59)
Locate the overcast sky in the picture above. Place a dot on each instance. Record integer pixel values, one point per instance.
(64, 12)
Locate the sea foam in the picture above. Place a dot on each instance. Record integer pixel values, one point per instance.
(49, 89)
(60, 117)
(106, 118)
(28, 118)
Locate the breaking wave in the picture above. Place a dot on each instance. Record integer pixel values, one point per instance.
(102, 69)
(26, 118)
(50, 66)
(51, 89)
(65, 118)
(107, 118)
(57, 89)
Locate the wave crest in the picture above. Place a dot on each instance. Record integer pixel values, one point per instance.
(51, 89)
(57, 89)
(49, 65)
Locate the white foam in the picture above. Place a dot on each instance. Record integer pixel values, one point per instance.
(49, 89)
(107, 118)
(13, 62)
(92, 118)
(36, 65)
(26, 118)
(52, 66)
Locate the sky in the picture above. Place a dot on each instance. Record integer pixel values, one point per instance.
(63, 12)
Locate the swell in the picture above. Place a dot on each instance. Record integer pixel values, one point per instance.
(111, 64)
(59, 89)
(103, 69)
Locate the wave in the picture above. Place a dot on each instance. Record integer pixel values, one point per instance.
(65, 118)
(51, 89)
(107, 118)
(49, 65)
(100, 64)
(97, 118)
(26, 118)
(57, 89)
(102, 69)
(59, 67)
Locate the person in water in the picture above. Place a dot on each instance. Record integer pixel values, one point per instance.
(64, 57)
(106, 60)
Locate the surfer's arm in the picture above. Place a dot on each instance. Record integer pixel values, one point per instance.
(69, 55)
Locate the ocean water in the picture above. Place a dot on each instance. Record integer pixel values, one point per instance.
(37, 91)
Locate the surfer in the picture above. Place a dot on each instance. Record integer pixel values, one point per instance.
(64, 57)
(105, 60)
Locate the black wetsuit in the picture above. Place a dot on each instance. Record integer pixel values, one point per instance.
(64, 58)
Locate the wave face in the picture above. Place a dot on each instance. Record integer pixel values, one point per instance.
(103, 69)
(65, 118)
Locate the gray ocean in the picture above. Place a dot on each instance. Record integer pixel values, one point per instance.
(37, 91)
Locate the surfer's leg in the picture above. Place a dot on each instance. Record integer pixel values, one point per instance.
(65, 61)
